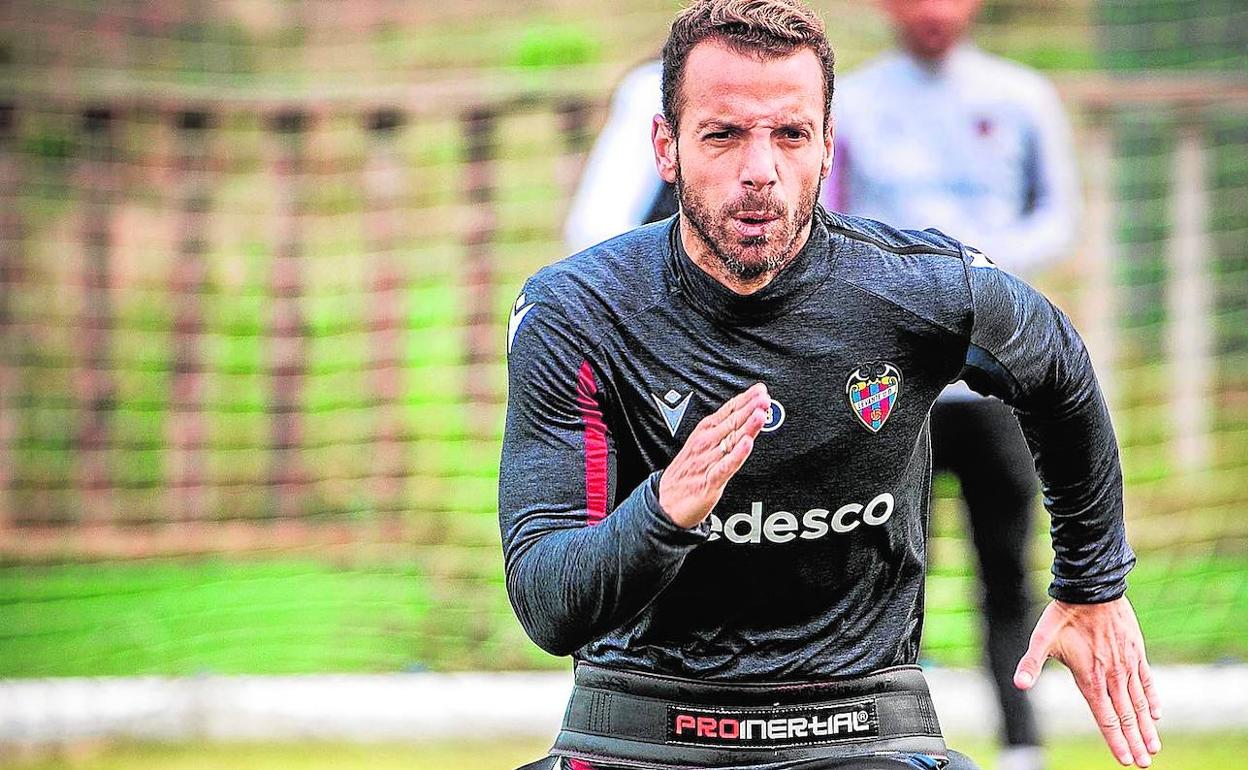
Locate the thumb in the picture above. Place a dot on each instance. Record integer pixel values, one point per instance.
(1028, 670)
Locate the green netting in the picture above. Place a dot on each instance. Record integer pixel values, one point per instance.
(319, 493)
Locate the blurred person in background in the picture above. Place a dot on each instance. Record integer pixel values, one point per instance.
(941, 134)
(619, 187)
(651, 498)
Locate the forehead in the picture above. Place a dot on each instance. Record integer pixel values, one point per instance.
(914, 10)
(720, 83)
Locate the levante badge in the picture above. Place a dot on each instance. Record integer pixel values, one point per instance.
(873, 390)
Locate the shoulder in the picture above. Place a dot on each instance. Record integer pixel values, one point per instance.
(923, 272)
(883, 67)
(603, 286)
(1009, 79)
(892, 243)
(647, 74)
(641, 87)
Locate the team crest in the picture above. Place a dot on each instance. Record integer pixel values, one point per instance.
(873, 390)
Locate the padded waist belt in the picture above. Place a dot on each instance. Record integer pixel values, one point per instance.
(631, 719)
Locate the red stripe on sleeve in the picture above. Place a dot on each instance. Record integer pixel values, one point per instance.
(576, 764)
(595, 444)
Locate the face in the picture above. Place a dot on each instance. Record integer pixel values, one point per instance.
(930, 29)
(751, 151)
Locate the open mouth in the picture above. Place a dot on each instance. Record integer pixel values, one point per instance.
(755, 217)
(752, 224)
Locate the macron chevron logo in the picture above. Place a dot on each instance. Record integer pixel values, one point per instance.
(980, 259)
(517, 317)
(673, 407)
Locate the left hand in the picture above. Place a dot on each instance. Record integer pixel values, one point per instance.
(1102, 646)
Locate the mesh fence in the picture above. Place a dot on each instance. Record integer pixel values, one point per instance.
(255, 264)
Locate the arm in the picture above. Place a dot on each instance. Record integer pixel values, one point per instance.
(1049, 214)
(577, 564)
(573, 572)
(1025, 351)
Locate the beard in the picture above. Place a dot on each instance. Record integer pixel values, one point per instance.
(748, 257)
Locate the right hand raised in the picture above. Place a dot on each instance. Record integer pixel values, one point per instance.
(695, 479)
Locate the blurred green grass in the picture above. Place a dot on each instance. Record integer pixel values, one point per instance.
(284, 616)
(221, 616)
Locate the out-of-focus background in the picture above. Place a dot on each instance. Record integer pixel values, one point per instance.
(255, 263)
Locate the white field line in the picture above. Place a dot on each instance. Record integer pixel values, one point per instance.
(481, 706)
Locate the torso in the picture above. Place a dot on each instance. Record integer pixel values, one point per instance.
(816, 558)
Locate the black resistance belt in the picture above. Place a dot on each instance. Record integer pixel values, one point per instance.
(632, 719)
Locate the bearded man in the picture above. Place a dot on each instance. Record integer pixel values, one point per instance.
(716, 462)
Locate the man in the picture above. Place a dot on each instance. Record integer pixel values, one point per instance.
(941, 134)
(737, 568)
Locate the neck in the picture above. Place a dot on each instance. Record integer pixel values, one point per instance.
(702, 255)
(933, 62)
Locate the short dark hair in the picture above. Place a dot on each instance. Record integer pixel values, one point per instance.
(766, 29)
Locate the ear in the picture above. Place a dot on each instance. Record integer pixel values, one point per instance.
(828, 147)
(664, 141)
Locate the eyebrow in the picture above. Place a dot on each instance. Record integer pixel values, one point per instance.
(715, 123)
(796, 122)
(723, 125)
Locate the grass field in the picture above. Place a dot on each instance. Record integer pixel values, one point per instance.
(301, 615)
(1219, 751)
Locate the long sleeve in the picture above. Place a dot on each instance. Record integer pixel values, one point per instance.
(577, 565)
(1025, 351)
(1048, 220)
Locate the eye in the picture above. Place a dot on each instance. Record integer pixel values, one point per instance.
(793, 134)
(718, 136)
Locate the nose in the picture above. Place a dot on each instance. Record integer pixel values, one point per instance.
(758, 166)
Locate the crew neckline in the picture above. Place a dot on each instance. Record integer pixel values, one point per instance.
(958, 57)
(792, 285)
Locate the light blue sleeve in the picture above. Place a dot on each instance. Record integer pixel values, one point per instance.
(1048, 227)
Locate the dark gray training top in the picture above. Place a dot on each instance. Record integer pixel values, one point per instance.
(812, 564)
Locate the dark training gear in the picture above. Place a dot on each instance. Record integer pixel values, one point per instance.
(978, 440)
(812, 564)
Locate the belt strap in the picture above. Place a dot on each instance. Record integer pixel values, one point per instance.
(629, 718)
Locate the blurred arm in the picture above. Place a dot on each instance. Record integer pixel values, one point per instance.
(1046, 229)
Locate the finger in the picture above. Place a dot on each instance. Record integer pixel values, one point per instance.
(730, 463)
(719, 441)
(743, 423)
(1150, 689)
(1029, 667)
(735, 410)
(736, 402)
(1143, 710)
(1128, 718)
(739, 452)
(1095, 693)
